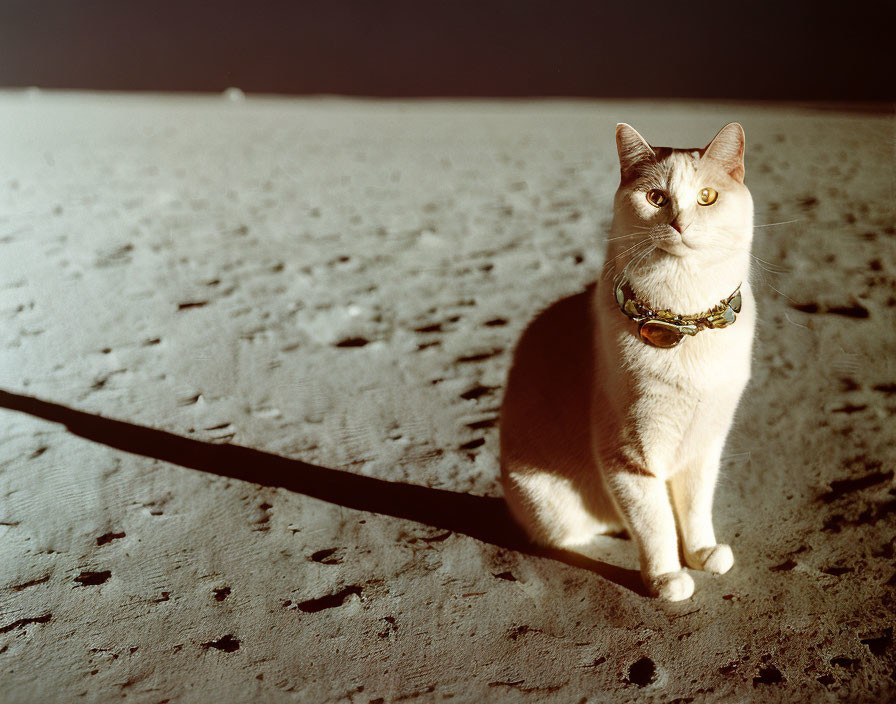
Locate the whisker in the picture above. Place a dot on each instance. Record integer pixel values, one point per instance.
(634, 246)
(610, 266)
(783, 222)
(769, 267)
(787, 318)
(779, 293)
(634, 261)
(624, 237)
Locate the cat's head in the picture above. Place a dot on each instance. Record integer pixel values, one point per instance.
(687, 202)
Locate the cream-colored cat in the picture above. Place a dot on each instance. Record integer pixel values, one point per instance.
(600, 429)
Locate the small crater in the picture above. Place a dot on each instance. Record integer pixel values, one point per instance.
(441, 537)
(805, 307)
(476, 392)
(842, 487)
(326, 557)
(515, 633)
(834, 523)
(837, 571)
(165, 596)
(482, 424)
(330, 601)
(265, 517)
(152, 341)
(808, 202)
(784, 566)
(391, 627)
(221, 594)
(109, 537)
(496, 322)
(850, 408)
(514, 683)
(768, 674)
(220, 426)
(851, 664)
(435, 327)
(191, 304)
(855, 310)
(473, 444)
(92, 579)
(22, 622)
(480, 357)
(38, 452)
(878, 645)
(642, 672)
(227, 643)
(886, 388)
(353, 342)
(505, 575)
(847, 384)
(30, 583)
(826, 680)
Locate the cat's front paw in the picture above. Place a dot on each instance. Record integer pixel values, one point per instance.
(717, 559)
(672, 586)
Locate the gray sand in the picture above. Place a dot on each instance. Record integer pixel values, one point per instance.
(340, 284)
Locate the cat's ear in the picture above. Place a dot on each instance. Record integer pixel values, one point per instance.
(727, 148)
(632, 148)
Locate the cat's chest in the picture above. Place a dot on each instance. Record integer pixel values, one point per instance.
(708, 363)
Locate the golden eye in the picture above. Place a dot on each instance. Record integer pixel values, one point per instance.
(657, 198)
(707, 196)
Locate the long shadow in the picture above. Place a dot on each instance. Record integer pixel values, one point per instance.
(480, 517)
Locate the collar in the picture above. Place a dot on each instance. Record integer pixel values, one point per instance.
(663, 328)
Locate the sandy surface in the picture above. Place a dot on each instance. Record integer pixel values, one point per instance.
(317, 302)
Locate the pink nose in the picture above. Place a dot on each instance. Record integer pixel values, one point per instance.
(676, 225)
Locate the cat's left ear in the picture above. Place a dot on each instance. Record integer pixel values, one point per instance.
(727, 148)
(633, 149)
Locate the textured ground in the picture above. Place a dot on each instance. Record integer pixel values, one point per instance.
(312, 298)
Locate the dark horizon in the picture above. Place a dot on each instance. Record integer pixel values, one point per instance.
(798, 51)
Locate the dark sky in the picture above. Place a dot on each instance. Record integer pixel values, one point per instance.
(626, 48)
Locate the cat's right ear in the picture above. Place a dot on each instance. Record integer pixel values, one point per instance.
(633, 149)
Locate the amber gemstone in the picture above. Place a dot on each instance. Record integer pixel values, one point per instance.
(660, 334)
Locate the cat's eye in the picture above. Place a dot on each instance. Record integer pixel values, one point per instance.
(707, 196)
(657, 198)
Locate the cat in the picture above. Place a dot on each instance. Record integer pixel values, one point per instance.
(601, 430)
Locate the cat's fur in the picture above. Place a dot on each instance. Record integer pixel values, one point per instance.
(648, 449)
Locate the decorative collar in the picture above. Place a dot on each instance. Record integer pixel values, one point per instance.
(663, 328)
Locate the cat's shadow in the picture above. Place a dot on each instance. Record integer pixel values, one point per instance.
(481, 517)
